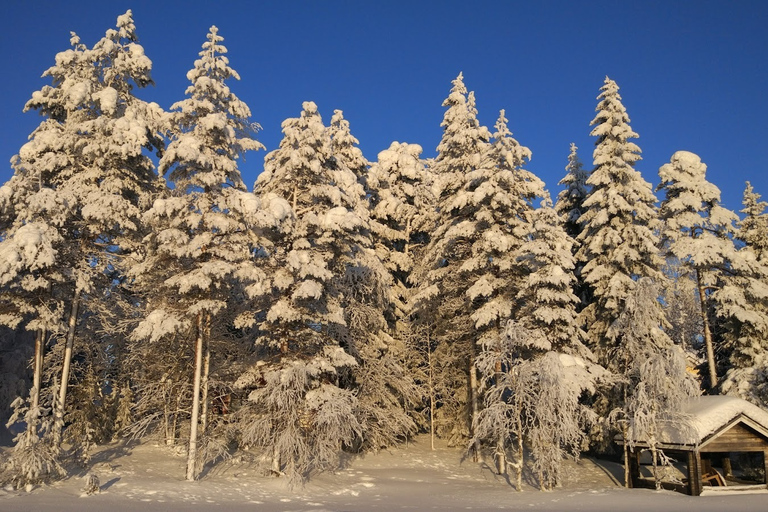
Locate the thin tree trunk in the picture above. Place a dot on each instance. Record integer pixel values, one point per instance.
(276, 464)
(174, 425)
(167, 414)
(192, 452)
(431, 384)
(707, 333)
(206, 373)
(625, 437)
(473, 402)
(501, 449)
(38, 367)
(520, 454)
(36, 382)
(67, 364)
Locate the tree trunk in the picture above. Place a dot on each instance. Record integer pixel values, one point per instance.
(501, 449)
(477, 456)
(166, 417)
(204, 384)
(520, 454)
(707, 333)
(192, 452)
(38, 367)
(40, 336)
(431, 384)
(67, 364)
(625, 438)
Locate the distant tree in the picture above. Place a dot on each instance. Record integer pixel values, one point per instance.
(618, 244)
(570, 201)
(570, 207)
(753, 228)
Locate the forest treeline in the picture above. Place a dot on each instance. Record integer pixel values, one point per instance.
(346, 305)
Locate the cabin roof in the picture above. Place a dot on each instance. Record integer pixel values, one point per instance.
(707, 416)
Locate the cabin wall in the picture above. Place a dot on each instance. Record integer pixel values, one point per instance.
(738, 438)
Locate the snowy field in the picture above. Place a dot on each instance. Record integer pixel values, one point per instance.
(150, 478)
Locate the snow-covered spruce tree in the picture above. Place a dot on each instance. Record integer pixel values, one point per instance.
(385, 390)
(92, 180)
(653, 382)
(747, 336)
(699, 233)
(570, 201)
(300, 410)
(204, 232)
(401, 210)
(442, 300)
(344, 150)
(570, 207)
(753, 228)
(564, 370)
(618, 244)
(541, 356)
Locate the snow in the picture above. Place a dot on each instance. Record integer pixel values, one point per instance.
(710, 413)
(408, 478)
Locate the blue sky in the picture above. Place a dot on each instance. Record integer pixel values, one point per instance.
(693, 74)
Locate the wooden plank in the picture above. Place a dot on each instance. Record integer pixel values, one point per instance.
(738, 438)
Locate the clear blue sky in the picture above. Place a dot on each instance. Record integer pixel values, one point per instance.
(693, 74)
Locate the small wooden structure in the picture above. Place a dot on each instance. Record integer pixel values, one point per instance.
(715, 427)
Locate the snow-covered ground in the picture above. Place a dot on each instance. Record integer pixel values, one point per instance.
(150, 478)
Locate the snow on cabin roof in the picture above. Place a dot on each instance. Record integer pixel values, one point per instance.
(707, 415)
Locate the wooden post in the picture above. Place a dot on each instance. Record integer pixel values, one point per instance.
(694, 473)
(634, 469)
(765, 463)
(727, 469)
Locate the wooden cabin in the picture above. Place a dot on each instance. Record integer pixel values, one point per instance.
(716, 429)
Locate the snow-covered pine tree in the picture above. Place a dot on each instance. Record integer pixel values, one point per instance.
(699, 232)
(90, 179)
(401, 210)
(653, 381)
(570, 207)
(204, 232)
(444, 301)
(300, 410)
(564, 370)
(344, 150)
(753, 228)
(385, 390)
(570, 201)
(618, 244)
(747, 314)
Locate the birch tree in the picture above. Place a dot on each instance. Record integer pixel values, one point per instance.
(654, 382)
